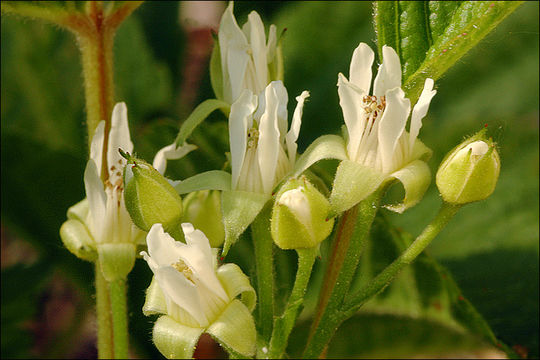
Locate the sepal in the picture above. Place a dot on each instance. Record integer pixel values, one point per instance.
(415, 178)
(235, 283)
(154, 303)
(78, 240)
(174, 340)
(235, 330)
(239, 209)
(203, 210)
(116, 260)
(353, 182)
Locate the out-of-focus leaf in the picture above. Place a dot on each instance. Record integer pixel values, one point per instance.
(430, 36)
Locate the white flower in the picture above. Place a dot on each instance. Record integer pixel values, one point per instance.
(186, 273)
(108, 220)
(195, 296)
(245, 54)
(378, 146)
(262, 151)
(376, 123)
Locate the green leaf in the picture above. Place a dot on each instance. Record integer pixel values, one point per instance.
(431, 36)
(216, 73)
(209, 180)
(324, 147)
(200, 113)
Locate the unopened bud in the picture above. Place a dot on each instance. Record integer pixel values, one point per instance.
(470, 171)
(203, 210)
(149, 197)
(300, 216)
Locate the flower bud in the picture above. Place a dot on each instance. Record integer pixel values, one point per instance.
(203, 210)
(470, 171)
(149, 197)
(299, 216)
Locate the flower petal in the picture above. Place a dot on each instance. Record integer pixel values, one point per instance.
(181, 291)
(350, 100)
(170, 152)
(235, 329)
(174, 340)
(161, 246)
(234, 57)
(392, 125)
(240, 121)
(197, 254)
(268, 146)
(254, 29)
(97, 199)
(389, 75)
(294, 131)
(96, 147)
(415, 178)
(420, 110)
(360, 69)
(118, 138)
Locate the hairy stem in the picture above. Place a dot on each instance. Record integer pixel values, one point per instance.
(283, 325)
(117, 291)
(104, 321)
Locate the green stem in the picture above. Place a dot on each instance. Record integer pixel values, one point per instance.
(348, 245)
(382, 280)
(264, 262)
(117, 290)
(324, 334)
(283, 325)
(104, 321)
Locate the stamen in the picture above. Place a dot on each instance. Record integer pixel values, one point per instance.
(253, 138)
(184, 269)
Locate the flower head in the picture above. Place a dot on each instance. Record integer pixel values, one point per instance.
(262, 151)
(195, 295)
(246, 55)
(377, 141)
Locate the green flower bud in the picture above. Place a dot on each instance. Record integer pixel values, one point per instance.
(470, 171)
(203, 210)
(300, 216)
(150, 198)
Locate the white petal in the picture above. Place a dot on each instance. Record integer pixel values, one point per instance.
(293, 133)
(197, 254)
(268, 146)
(181, 291)
(118, 138)
(96, 147)
(360, 70)
(97, 199)
(240, 121)
(170, 152)
(283, 99)
(257, 40)
(392, 125)
(420, 110)
(389, 75)
(233, 45)
(350, 100)
(161, 246)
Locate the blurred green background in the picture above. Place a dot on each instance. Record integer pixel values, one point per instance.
(491, 247)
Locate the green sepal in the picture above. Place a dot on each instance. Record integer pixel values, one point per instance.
(216, 74)
(79, 211)
(174, 340)
(78, 240)
(324, 147)
(116, 260)
(154, 303)
(275, 67)
(235, 283)
(235, 330)
(353, 182)
(415, 178)
(150, 198)
(209, 180)
(203, 210)
(291, 232)
(198, 115)
(239, 209)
